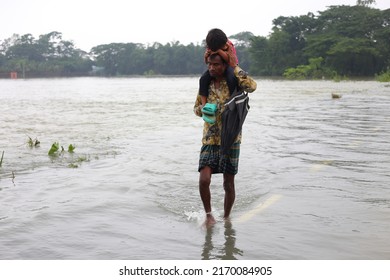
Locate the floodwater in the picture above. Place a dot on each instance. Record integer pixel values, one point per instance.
(313, 179)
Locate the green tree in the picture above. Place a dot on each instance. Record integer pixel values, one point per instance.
(261, 62)
(350, 39)
(106, 56)
(47, 56)
(365, 3)
(284, 47)
(355, 57)
(242, 42)
(314, 70)
(161, 57)
(24, 47)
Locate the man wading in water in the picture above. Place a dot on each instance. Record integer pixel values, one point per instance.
(211, 159)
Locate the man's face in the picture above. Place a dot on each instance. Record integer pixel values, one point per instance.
(216, 66)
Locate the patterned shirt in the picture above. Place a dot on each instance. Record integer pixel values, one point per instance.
(212, 132)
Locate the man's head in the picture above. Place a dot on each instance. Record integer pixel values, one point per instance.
(216, 39)
(216, 65)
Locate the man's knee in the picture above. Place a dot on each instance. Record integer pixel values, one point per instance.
(205, 177)
(204, 181)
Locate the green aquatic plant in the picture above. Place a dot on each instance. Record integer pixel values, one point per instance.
(71, 148)
(78, 161)
(54, 149)
(73, 165)
(1, 159)
(57, 150)
(33, 143)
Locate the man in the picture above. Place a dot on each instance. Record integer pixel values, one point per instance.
(211, 160)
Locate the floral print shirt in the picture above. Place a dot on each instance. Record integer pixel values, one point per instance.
(212, 132)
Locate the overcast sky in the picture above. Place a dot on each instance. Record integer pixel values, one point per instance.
(89, 23)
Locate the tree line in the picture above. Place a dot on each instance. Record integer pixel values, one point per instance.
(342, 40)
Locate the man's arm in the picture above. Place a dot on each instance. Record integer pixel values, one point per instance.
(245, 82)
(198, 106)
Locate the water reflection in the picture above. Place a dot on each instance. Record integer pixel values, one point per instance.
(226, 251)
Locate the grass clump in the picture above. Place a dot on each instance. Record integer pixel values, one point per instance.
(33, 143)
(1, 159)
(55, 149)
(384, 77)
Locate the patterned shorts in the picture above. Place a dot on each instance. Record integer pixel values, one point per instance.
(210, 155)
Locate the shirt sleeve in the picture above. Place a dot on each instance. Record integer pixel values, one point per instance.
(244, 81)
(197, 109)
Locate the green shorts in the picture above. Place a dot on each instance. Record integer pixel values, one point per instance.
(210, 155)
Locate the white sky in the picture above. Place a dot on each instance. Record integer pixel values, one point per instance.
(89, 23)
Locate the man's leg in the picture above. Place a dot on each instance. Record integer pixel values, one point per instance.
(230, 193)
(205, 194)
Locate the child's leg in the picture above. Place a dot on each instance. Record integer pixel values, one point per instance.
(204, 83)
(231, 79)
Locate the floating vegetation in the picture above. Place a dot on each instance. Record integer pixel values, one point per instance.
(71, 148)
(55, 147)
(58, 151)
(33, 143)
(78, 161)
(1, 159)
(60, 156)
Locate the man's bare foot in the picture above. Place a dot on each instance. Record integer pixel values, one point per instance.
(209, 220)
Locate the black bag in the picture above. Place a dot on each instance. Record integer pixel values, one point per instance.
(233, 118)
